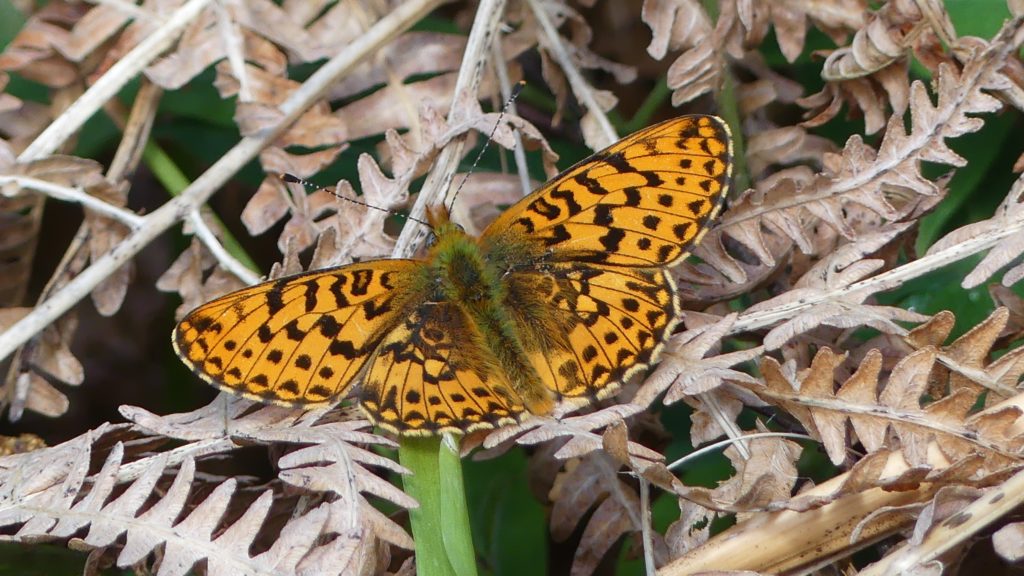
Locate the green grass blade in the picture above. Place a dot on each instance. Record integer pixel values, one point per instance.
(440, 526)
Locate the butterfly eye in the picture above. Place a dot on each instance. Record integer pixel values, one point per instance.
(431, 240)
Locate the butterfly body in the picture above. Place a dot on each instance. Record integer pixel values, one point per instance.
(471, 283)
(564, 296)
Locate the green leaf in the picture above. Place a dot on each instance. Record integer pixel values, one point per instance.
(509, 524)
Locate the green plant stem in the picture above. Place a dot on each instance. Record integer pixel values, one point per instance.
(645, 113)
(728, 110)
(174, 180)
(440, 526)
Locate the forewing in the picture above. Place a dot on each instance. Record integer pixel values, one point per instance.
(588, 328)
(300, 340)
(641, 202)
(431, 375)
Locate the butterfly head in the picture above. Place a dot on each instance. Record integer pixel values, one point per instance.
(441, 225)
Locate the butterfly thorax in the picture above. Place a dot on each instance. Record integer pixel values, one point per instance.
(468, 281)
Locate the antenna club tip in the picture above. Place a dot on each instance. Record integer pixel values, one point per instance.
(290, 178)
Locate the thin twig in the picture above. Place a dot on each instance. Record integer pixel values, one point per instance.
(122, 72)
(884, 281)
(77, 195)
(224, 258)
(404, 16)
(467, 84)
(718, 445)
(501, 71)
(580, 87)
(136, 128)
(645, 526)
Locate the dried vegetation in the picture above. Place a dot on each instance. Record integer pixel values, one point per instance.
(804, 298)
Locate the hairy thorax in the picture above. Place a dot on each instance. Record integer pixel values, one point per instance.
(465, 279)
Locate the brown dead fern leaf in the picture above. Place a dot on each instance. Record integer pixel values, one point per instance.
(333, 463)
(964, 362)
(137, 504)
(887, 181)
(1006, 222)
(593, 485)
(880, 415)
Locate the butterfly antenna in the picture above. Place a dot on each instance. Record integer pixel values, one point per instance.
(511, 98)
(292, 179)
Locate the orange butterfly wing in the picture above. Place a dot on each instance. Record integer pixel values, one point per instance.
(299, 340)
(430, 376)
(592, 298)
(640, 202)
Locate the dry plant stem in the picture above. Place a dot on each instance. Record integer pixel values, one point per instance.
(727, 424)
(202, 188)
(501, 71)
(553, 42)
(69, 194)
(814, 538)
(137, 128)
(234, 45)
(997, 503)
(467, 85)
(724, 443)
(128, 67)
(895, 416)
(884, 281)
(645, 527)
(224, 258)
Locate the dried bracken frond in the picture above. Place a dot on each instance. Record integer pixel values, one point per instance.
(593, 483)
(51, 493)
(1005, 227)
(874, 411)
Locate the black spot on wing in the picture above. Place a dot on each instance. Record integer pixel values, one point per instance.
(567, 198)
(612, 239)
(361, 280)
(337, 290)
(275, 300)
(328, 326)
(372, 310)
(292, 331)
(309, 298)
(546, 209)
(557, 235)
(342, 348)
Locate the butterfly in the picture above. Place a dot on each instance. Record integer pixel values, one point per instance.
(564, 296)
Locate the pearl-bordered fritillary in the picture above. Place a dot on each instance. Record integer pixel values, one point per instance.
(565, 295)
